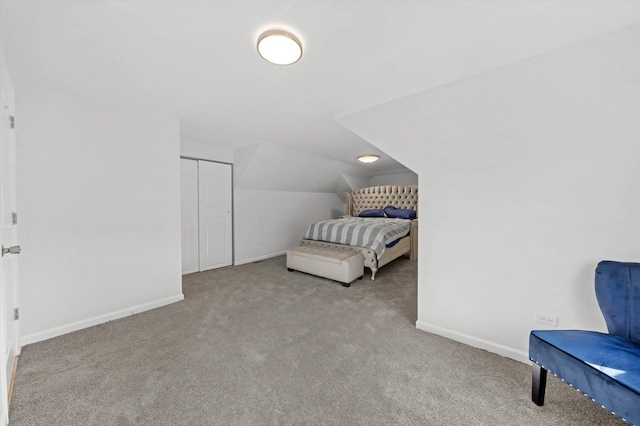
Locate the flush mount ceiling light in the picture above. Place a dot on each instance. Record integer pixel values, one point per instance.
(279, 47)
(368, 158)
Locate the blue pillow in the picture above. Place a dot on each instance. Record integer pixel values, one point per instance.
(391, 211)
(372, 213)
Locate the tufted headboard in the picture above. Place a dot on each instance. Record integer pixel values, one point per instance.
(378, 197)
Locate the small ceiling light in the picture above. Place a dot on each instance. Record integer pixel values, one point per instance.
(279, 47)
(368, 158)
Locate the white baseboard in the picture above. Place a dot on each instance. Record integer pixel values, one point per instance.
(255, 259)
(476, 342)
(90, 322)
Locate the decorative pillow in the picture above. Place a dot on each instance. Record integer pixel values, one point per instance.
(391, 211)
(372, 213)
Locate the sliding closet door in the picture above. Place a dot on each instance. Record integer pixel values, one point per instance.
(215, 215)
(189, 207)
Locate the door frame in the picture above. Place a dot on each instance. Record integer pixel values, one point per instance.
(233, 207)
(13, 349)
(193, 179)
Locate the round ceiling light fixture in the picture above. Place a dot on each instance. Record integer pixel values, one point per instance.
(279, 47)
(370, 158)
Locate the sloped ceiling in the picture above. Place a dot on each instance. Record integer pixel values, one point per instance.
(266, 166)
(198, 61)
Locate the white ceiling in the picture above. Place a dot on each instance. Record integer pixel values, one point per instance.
(198, 61)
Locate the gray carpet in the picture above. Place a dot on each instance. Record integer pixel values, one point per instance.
(256, 344)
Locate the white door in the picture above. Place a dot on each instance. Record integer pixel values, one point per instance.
(9, 327)
(215, 215)
(189, 208)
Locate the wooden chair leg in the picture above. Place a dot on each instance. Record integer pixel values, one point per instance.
(538, 384)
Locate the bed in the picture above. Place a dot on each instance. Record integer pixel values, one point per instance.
(377, 197)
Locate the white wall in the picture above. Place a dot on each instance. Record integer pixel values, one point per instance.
(391, 178)
(206, 151)
(348, 183)
(395, 178)
(278, 192)
(267, 223)
(99, 211)
(528, 177)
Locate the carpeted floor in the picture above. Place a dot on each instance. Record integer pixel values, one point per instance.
(256, 344)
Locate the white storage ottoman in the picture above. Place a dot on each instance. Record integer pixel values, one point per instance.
(338, 265)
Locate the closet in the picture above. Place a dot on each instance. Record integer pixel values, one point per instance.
(207, 211)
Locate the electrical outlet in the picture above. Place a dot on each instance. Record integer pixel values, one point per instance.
(547, 319)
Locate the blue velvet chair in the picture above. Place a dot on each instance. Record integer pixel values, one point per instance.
(603, 367)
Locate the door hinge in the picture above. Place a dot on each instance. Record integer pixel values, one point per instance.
(14, 218)
(12, 122)
(11, 250)
(16, 314)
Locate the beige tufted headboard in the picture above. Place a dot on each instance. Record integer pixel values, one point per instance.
(378, 197)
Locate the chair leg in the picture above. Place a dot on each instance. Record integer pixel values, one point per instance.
(538, 384)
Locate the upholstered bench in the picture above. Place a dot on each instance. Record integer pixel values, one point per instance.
(604, 367)
(338, 265)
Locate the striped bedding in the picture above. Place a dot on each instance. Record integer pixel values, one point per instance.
(371, 232)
